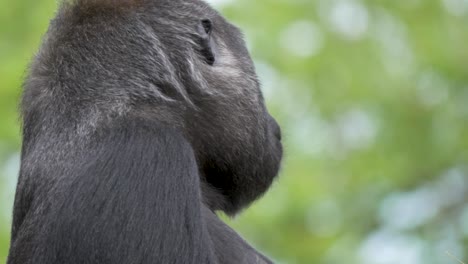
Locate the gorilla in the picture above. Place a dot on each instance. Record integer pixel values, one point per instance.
(141, 119)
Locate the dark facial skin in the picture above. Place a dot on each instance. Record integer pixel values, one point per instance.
(141, 118)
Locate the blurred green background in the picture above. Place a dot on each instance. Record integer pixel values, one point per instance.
(373, 100)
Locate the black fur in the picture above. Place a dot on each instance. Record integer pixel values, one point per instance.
(141, 118)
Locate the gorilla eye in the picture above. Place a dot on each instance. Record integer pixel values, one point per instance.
(207, 44)
(207, 26)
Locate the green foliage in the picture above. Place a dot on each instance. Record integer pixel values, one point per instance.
(373, 100)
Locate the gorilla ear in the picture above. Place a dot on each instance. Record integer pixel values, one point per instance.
(207, 44)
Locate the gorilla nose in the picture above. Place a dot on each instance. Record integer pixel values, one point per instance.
(275, 127)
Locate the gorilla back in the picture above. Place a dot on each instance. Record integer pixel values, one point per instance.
(141, 119)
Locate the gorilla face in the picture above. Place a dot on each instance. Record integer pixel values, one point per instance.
(237, 141)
